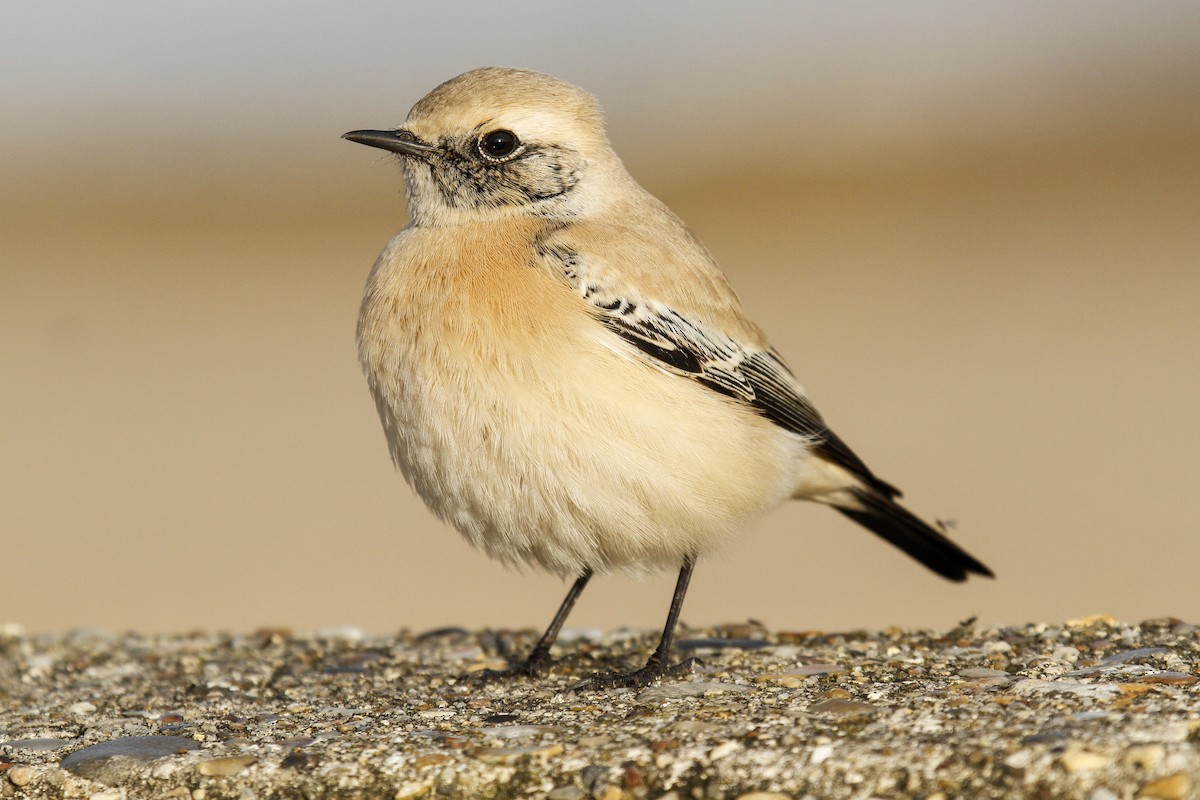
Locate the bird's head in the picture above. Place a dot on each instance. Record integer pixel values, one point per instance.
(496, 142)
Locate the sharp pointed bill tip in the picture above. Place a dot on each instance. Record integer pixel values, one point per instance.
(396, 141)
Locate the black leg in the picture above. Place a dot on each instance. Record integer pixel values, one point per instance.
(538, 660)
(658, 665)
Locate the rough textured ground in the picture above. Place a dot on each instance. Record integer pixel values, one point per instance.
(1091, 709)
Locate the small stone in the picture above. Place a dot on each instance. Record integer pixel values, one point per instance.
(723, 749)
(606, 792)
(106, 796)
(566, 793)
(820, 754)
(83, 707)
(983, 672)
(764, 796)
(842, 708)
(437, 713)
(1172, 787)
(1144, 756)
(431, 760)
(1103, 793)
(230, 765)
(1133, 655)
(1168, 678)
(21, 776)
(411, 789)
(36, 744)
(518, 731)
(1074, 761)
(509, 755)
(109, 761)
(595, 741)
(789, 680)
(818, 669)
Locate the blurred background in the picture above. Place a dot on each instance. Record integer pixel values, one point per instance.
(972, 229)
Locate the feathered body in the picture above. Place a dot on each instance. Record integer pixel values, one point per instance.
(562, 371)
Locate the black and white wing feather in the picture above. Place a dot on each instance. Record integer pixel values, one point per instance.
(751, 375)
(757, 376)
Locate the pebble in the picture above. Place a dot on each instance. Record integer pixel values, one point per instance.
(764, 796)
(509, 755)
(230, 765)
(1172, 787)
(820, 754)
(21, 776)
(726, 748)
(1036, 686)
(437, 713)
(36, 744)
(107, 761)
(984, 672)
(713, 645)
(1144, 756)
(842, 708)
(1168, 678)
(1075, 761)
(1130, 655)
(517, 731)
(790, 680)
(343, 633)
(411, 789)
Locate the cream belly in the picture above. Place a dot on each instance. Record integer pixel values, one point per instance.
(536, 435)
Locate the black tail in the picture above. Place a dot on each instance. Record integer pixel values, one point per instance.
(884, 517)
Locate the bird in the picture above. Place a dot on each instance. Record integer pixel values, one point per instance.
(563, 372)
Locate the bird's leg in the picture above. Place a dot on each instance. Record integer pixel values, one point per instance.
(538, 660)
(658, 665)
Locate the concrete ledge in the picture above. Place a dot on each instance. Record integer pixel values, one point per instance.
(1091, 709)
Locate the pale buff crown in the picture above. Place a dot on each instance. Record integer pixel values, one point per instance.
(512, 98)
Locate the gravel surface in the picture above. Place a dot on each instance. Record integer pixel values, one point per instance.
(1091, 709)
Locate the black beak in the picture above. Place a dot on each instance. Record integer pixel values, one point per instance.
(397, 141)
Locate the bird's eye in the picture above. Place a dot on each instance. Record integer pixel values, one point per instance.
(498, 145)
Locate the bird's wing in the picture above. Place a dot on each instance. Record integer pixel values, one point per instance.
(696, 349)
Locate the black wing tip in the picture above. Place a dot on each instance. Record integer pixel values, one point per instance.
(969, 567)
(895, 524)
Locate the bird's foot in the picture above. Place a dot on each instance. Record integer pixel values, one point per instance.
(655, 669)
(535, 666)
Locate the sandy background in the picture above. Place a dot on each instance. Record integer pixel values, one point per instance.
(974, 231)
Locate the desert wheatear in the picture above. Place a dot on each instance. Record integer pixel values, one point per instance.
(564, 374)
